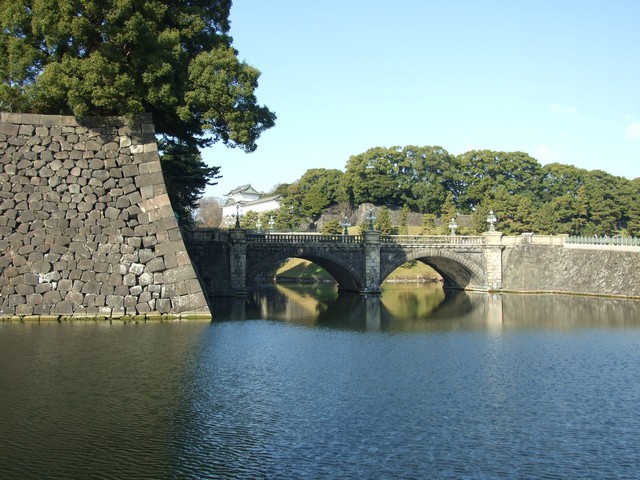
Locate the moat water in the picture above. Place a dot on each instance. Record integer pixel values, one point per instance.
(303, 383)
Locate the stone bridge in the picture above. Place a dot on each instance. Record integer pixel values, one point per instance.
(228, 261)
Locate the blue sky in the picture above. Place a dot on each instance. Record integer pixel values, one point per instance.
(558, 79)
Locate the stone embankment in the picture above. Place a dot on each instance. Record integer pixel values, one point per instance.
(86, 226)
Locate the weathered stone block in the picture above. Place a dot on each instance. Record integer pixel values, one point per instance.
(179, 274)
(91, 288)
(155, 265)
(149, 180)
(145, 296)
(74, 298)
(149, 241)
(168, 291)
(188, 303)
(115, 301)
(51, 297)
(145, 255)
(24, 309)
(24, 289)
(135, 290)
(9, 129)
(129, 280)
(121, 290)
(136, 268)
(170, 260)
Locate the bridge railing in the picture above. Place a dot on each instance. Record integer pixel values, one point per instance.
(533, 239)
(301, 238)
(216, 234)
(604, 240)
(432, 239)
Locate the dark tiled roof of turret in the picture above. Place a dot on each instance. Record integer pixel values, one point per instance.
(243, 189)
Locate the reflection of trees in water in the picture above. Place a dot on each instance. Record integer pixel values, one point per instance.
(412, 302)
(568, 311)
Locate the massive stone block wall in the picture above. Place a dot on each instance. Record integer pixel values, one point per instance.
(548, 268)
(86, 226)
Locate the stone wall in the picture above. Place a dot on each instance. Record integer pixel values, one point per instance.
(86, 226)
(561, 269)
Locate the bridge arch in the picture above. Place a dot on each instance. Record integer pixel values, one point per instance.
(342, 268)
(457, 270)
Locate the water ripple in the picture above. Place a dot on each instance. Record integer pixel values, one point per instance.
(263, 399)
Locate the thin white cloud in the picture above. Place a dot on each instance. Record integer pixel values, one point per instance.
(544, 154)
(567, 109)
(633, 131)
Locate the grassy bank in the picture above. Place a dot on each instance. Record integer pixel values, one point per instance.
(298, 270)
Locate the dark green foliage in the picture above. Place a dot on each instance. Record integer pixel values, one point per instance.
(428, 224)
(186, 177)
(332, 227)
(417, 177)
(525, 196)
(483, 171)
(448, 213)
(404, 215)
(383, 222)
(317, 190)
(249, 220)
(288, 216)
(633, 224)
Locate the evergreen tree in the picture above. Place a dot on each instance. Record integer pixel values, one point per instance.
(448, 213)
(404, 217)
(249, 220)
(332, 227)
(428, 224)
(186, 176)
(633, 224)
(383, 222)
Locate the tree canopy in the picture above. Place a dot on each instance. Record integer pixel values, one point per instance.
(418, 177)
(524, 195)
(172, 58)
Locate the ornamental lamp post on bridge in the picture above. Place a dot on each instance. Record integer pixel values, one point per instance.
(272, 222)
(453, 226)
(237, 215)
(491, 220)
(371, 217)
(345, 225)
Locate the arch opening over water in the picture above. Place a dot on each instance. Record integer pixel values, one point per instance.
(344, 276)
(457, 271)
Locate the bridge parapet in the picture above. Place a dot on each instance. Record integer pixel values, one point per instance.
(432, 239)
(604, 240)
(293, 238)
(533, 239)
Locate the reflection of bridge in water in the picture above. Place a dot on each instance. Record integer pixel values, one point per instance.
(324, 307)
